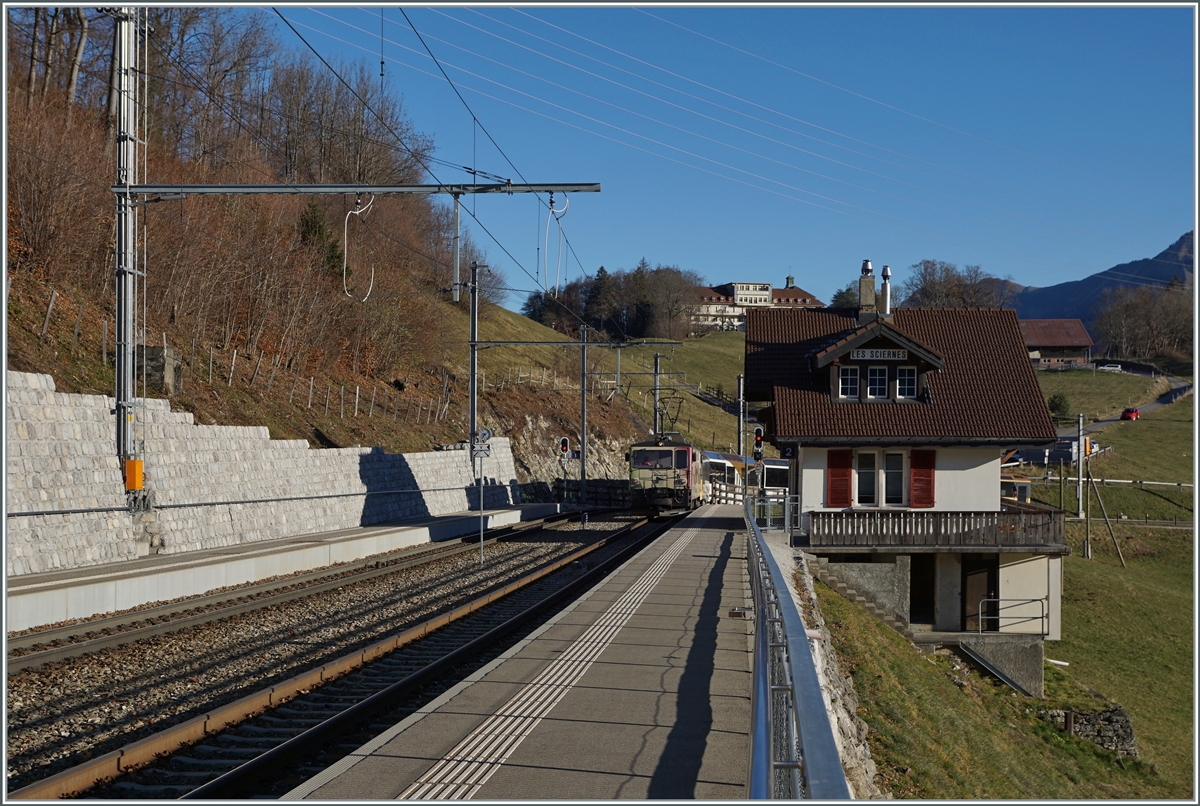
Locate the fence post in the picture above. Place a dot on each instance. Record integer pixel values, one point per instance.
(311, 378)
(371, 410)
(50, 307)
(232, 361)
(257, 364)
(78, 320)
(355, 400)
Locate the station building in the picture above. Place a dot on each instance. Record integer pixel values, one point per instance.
(895, 423)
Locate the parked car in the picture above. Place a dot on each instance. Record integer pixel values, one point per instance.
(1110, 368)
(1130, 414)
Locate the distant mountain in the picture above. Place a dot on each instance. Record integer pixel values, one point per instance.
(1077, 299)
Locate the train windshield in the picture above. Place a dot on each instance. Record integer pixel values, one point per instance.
(681, 460)
(652, 459)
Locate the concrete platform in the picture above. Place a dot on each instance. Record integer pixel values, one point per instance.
(640, 690)
(37, 599)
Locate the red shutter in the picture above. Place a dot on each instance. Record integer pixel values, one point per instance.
(920, 492)
(837, 479)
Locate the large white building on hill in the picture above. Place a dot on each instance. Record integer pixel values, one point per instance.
(724, 307)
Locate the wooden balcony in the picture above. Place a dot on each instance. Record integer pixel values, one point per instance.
(1019, 528)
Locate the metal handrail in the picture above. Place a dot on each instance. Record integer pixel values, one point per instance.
(1016, 619)
(792, 750)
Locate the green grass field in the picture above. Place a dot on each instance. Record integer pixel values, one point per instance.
(1157, 447)
(1100, 394)
(938, 730)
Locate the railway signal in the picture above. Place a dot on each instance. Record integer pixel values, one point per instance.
(758, 446)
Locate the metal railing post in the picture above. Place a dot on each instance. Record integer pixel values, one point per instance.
(802, 759)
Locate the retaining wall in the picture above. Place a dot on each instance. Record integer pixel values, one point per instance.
(209, 485)
(1110, 728)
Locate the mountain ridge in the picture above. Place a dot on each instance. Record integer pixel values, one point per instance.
(1077, 299)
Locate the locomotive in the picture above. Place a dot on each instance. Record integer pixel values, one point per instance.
(664, 475)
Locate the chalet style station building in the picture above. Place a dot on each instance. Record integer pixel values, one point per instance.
(894, 423)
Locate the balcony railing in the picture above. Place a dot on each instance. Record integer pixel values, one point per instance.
(1025, 529)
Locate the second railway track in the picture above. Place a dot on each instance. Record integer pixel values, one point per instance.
(215, 694)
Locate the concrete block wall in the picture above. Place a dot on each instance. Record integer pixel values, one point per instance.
(60, 455)
(211, 486)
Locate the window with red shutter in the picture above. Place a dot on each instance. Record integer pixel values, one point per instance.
(921, 464)
(838, 479)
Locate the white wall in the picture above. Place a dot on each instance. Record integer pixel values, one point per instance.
(1030, 576)
(965, 479)
(61, 456)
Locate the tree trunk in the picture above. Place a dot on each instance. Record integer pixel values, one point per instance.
(51, 34)
(80, 46)
(110, 118)
(33, 43)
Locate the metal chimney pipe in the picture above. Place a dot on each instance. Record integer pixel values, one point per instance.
(887, 290)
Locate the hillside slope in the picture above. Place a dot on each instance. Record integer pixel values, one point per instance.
(528, 393)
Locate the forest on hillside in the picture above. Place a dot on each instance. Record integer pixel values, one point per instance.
(223, 102)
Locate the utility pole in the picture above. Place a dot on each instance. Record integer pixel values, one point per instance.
(454, 286)
(472, 382)
(126, 245)
(582, 415)
(1079, 467)
(741, 414)
(657, 422)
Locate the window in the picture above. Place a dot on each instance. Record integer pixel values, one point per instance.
(681, 460)
(906, 382)
(866, 479)
(849, 381)
(893, 479)
(877, 382)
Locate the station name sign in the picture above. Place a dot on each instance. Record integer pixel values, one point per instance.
(879, 355)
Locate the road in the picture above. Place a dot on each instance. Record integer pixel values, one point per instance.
(1179, 387)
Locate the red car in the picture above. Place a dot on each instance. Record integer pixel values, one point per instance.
(1130, 414)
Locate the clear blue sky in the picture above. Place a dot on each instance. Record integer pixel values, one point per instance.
(1042, 143)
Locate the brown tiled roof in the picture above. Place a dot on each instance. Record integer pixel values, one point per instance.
(985, 393)
(712, 295)
(1055, 333)
(793, 296)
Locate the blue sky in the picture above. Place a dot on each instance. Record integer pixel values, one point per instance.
(746, 143)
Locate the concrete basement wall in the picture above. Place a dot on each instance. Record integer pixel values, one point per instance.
(61, 455)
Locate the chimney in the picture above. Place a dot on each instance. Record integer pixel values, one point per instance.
(866, 293)
(886, 291)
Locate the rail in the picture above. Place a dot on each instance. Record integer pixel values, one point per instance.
(1015, 619)
(793, 754)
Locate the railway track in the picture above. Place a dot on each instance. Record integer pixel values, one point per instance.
(35, 648)
(291, 712)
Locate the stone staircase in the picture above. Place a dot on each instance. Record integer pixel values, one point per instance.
(825, 572)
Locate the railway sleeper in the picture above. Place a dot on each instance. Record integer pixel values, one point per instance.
(308, 711)
(285, 732)
(271, 720)
(209, 752)
(236, 740)
(161, 775)
(149, 792)
(208, 765)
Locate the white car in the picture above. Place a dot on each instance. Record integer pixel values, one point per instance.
(1110, 368)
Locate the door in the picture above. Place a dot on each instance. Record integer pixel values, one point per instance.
(981, 574)
(922, 588)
